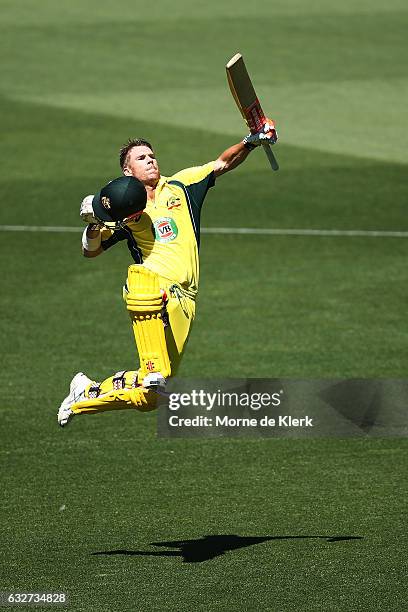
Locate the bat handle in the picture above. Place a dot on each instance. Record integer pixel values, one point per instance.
(270, 156)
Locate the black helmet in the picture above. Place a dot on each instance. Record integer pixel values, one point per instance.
(119, 199)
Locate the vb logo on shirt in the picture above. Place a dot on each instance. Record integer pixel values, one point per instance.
(165, 229)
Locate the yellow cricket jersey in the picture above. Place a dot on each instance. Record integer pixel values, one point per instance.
(166, 238)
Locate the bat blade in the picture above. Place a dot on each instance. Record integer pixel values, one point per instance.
(247, 101)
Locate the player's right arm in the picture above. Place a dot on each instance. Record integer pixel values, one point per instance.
(91, 241)
(93, 233)
(97, 238)
(91, 237)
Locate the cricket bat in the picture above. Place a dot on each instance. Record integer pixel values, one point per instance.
(246, 99)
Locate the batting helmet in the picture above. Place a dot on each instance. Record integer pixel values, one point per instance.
(119, 199)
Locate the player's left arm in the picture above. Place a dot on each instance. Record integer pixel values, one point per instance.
(231, 158)
(235, 155)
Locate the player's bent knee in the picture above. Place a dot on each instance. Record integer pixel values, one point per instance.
(144, 301)
(144, 295)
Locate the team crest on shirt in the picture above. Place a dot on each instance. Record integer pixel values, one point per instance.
(173, 202)
(165, 229)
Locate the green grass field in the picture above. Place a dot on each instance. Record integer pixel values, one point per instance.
(103, 509)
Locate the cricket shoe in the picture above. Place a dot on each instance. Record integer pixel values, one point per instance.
(154, 381)
(76, 393)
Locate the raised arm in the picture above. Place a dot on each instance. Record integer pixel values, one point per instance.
(235, 155)
(231, 158)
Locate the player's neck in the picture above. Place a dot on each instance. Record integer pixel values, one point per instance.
(151, 190)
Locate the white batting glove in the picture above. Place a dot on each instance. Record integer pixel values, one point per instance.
(268, 135)
(86, 211)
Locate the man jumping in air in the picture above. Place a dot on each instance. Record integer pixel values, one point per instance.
(159, 217)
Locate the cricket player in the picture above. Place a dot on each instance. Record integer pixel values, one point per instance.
(159, 218)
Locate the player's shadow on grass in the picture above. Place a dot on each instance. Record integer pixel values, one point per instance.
(211, 546)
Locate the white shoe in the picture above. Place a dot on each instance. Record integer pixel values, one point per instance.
(76, 392)
(154, 381)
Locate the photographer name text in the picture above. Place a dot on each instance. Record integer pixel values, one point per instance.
(227, 421)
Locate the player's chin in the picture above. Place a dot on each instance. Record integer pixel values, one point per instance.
(153, 173)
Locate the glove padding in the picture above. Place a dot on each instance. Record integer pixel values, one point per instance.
(86, 211)
(267, 135)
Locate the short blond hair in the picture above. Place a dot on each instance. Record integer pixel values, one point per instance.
(128, 146)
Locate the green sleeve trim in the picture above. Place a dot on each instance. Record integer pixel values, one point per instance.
(195, 195)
